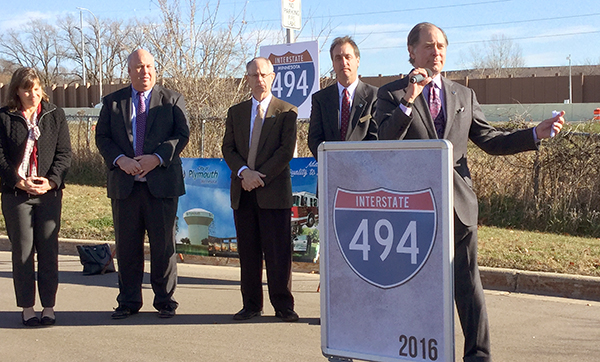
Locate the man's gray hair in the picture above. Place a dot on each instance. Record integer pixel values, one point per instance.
(253, 60)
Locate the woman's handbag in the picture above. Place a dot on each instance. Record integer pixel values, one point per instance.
(96, 259)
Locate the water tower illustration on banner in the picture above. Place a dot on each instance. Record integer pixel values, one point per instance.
(198, 221)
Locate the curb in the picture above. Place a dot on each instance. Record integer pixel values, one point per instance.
(509, 280)
(542, 283)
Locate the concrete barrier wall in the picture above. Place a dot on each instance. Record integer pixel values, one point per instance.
(522, 90)
(493, 112)
(575, 112)
(511, 90)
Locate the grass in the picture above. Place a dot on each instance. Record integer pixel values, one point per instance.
(535, 251)
(87, 215)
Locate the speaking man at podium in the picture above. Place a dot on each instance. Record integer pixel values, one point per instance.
(426, 105)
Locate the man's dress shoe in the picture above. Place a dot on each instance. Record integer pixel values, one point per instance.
(166, 312)
(245, 314)
(287, 315)
(122, 313)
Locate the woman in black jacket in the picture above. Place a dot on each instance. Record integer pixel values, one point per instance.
(35, 154)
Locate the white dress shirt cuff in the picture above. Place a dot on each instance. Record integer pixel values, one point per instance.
(239, 173)
(405, 109)
(162, 163)
(535, 136)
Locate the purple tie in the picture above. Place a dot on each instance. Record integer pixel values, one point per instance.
(435, 107)
(140, 124)
(345, 118)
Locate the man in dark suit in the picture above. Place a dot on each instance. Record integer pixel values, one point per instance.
(336, 117)
(141, 131)
(259, 142)
(436, 107)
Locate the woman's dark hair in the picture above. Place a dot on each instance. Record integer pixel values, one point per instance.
(24, 78)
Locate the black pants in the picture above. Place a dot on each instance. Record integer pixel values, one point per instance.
(32, 225)
(264, 231)
(468, 294)
(133, 216)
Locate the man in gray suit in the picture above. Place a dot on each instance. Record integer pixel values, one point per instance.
(434, 108)
(343, 111)
(141, 131)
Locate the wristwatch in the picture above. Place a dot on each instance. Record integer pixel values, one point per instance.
(406, 103)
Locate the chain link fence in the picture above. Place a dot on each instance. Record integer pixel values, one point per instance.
(554, 189)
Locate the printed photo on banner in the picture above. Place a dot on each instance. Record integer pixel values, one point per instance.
(204, 223)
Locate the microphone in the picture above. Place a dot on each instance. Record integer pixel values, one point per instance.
(419, 77)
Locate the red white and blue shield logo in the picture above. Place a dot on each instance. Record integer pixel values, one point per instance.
(385, 236)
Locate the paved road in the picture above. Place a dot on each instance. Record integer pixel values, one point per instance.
(524, 327)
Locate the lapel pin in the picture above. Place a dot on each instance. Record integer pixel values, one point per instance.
(461, 109)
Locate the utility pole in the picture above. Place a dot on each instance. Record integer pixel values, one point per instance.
(82, 48)
(99, 49)
(570, 81)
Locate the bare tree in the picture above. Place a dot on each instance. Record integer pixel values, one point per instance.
(116, 46)
(204, 60)
(499, 57)
(590, 67)
(7, 68)
(116, 43)
(70, 35)
(35, 45)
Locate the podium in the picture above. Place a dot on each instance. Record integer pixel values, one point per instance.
(386, 231)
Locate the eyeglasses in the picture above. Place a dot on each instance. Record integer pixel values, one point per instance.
(259, 75)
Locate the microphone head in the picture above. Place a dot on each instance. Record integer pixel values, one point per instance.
(419, 77)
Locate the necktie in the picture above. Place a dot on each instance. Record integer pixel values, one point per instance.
(435, 107)
(33, 161)
(140, 124)
(255, 137)
(345, 118)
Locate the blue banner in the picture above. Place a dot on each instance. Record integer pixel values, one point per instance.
(205, 226)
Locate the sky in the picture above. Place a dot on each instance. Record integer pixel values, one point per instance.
(548, 32)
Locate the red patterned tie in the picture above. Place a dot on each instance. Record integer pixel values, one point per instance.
(345, 118)
(140, 125)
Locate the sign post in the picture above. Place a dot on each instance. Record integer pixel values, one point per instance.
(291, 18)
(386, 227)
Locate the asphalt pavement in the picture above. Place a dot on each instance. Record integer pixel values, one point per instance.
(524, 327)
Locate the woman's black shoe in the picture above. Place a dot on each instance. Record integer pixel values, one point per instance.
(31, 322)
(47, 321)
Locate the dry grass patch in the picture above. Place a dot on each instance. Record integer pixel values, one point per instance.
(86, 213)
(535, 251)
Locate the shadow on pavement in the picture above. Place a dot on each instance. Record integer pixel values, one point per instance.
(12, 320)
(110, 280)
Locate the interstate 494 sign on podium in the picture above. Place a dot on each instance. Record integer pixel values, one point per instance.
(386, 262)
